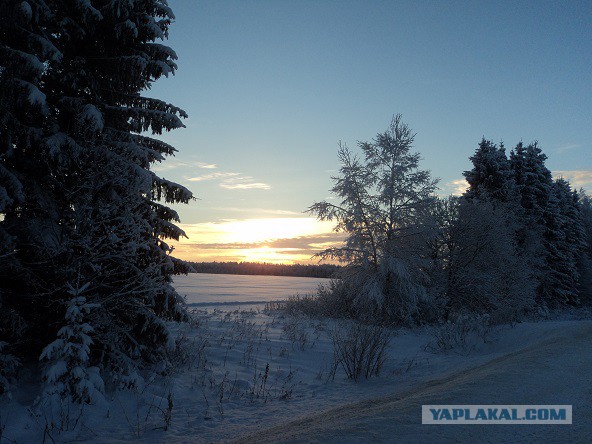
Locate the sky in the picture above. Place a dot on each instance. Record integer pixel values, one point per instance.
(271, 87)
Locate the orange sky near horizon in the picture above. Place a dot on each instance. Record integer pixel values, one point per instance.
(278, 240)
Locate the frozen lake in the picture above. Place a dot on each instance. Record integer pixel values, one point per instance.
(203, 290)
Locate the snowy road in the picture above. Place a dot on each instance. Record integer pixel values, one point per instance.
(556, 370)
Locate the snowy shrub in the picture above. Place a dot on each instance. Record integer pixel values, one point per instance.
(389, 295)
(307, 304)
(68, 373)
(463, 335)
(188, 353)
(360, 349)
(12, 327)
(295, 331)
(332, 300)
(8, 367)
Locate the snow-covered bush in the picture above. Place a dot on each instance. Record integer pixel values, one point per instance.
(68, 373)
(12, 328)
(295, 331)
(330, 300)
(360, 349)
(8, 367)
(463, 334)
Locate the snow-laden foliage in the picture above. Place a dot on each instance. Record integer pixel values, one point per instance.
(477, 266)
(564, 241)
(514, 242)
(585, 264)
(382, 203)
(68, 372)
(491, 177)
(8, 366)
(78, 199)
(546, 216)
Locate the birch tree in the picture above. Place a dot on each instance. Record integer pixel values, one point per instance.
(381, 201)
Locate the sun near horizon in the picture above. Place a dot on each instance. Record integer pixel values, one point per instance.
(274, 240)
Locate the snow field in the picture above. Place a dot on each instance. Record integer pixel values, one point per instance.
(240, 368)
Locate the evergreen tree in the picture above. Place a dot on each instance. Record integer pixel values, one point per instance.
(491, 177)
(586, 213)
(533, 180)
(585, 265)
(550, 232)
(564, 243)
(25, 46)
(91, 217)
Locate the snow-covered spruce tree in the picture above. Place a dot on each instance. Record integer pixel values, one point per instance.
(91, 218)
(491, 177)
(24, 46)
(564, 241)
(534, 184)
(542, 236)
(70, 376)
(382, 203)
(497, 182)
(585, 266)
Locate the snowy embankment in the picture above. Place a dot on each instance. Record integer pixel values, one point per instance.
(242, 369)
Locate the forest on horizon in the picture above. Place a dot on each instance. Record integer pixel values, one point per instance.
(267, 269)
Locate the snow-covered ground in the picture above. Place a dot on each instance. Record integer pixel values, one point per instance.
(242, 369)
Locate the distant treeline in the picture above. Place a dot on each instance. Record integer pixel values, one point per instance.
(257, 268)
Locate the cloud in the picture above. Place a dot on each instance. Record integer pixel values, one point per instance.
(312, 243)
(454, 187)
(305, 244)
(245, 186)
(206, 166)
(237, 182)
(260, 230)
(171, 164)
(212, 176)
(232, 181)
(227, 180)
(258, 211)
(577, 178)
(564, 148)
(167, 165)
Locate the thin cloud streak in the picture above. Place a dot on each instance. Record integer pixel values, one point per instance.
(238, 182)
(565, 148)
(245, 186)
(175, 164)
(577, 178)
(257, 211)
(232, 181)
(206, 166)
(212, 176)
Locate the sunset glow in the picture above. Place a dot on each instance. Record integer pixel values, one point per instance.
(272, 240)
